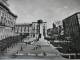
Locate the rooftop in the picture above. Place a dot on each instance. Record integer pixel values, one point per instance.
(9, 11)
(23, 24)
(72, 15)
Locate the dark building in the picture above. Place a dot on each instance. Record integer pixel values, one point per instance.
(72, 29)
(71, 42)
(68, 43)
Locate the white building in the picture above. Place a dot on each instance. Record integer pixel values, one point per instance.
(7, 20)
(42, 30)
(32, 29)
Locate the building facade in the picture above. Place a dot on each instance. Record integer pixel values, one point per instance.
(42, 30)
(71, 27)
(7, 20)
(32, 29)
(23, 28)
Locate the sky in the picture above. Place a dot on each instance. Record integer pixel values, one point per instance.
(49, 11)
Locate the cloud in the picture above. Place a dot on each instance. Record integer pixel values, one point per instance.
(48, 10)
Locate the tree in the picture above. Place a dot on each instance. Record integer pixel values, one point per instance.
(54, 25)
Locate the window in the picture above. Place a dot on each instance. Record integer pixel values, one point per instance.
(6, 22)
(23, 28)
(0, 12)
(78, 16)
(26, 28)
(2, 19)
(20, 29)
(33, 35)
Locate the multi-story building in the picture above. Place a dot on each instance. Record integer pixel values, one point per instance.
(68, 43)
(36, 30)
(33, 29)
(23, 28)
(72, 29)
(7, 20)
(71, 43)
